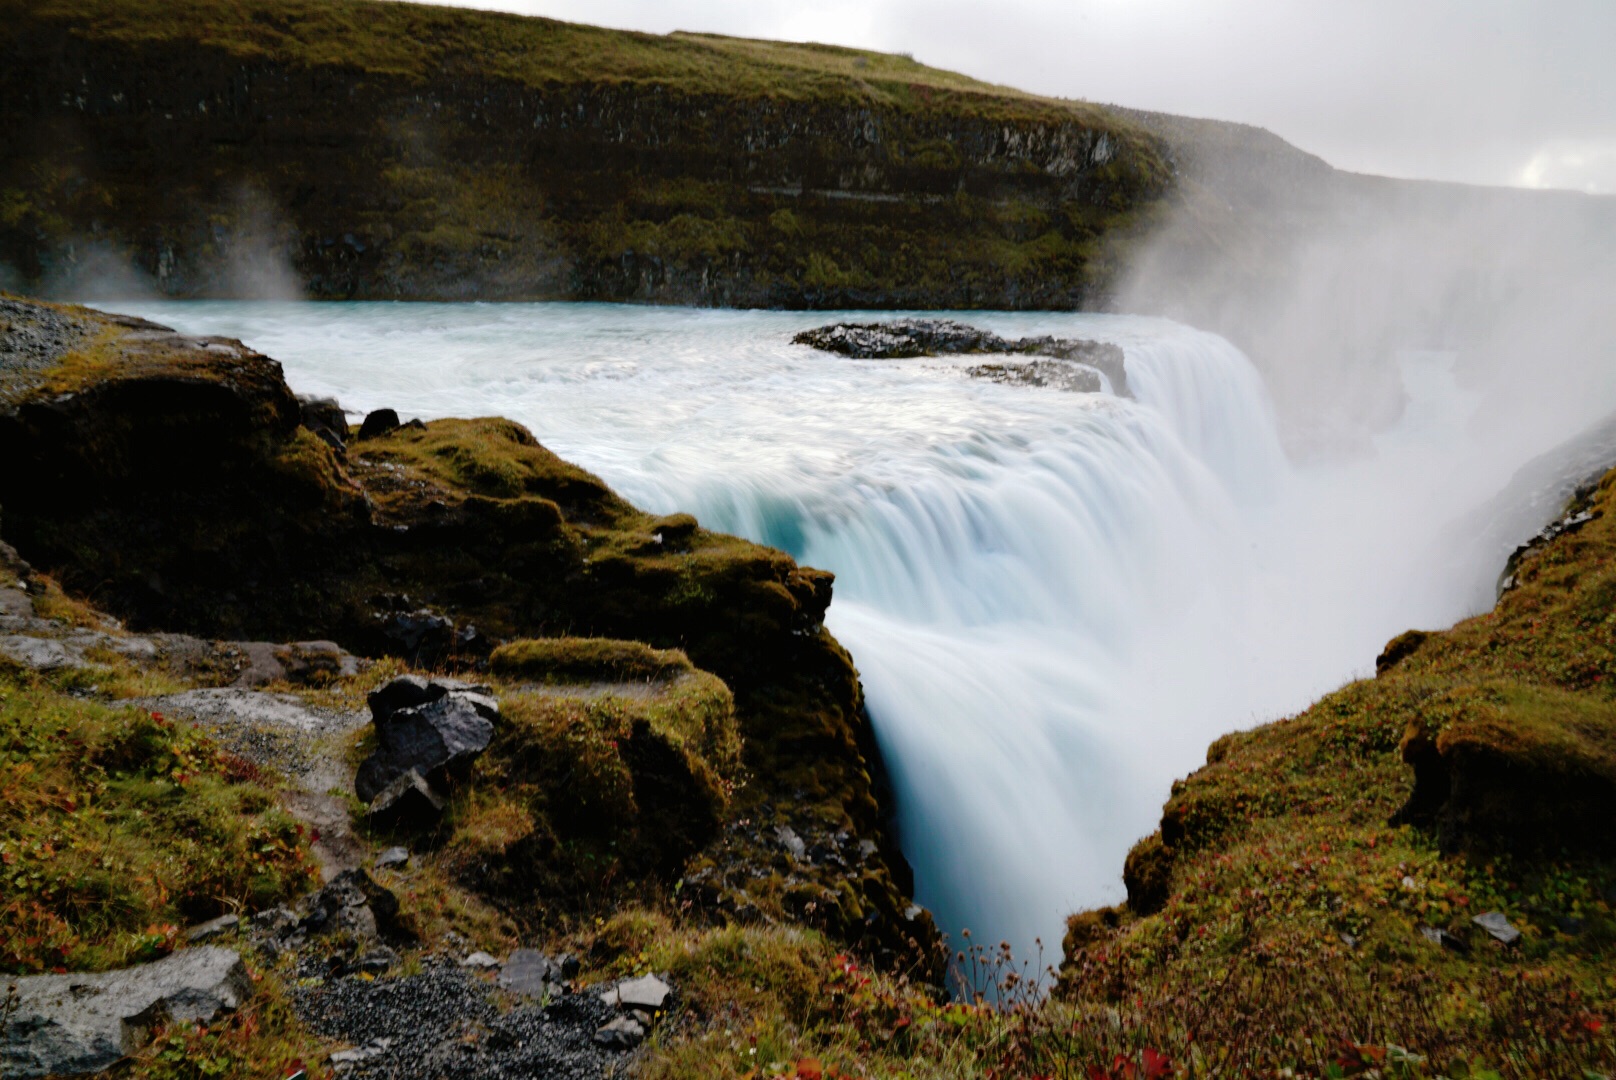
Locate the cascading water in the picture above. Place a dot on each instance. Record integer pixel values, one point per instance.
(1055, 600)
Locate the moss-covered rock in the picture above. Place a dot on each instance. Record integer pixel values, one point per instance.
(173, 483)
(593, 791)
(586, 660)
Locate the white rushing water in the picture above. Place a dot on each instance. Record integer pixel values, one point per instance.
(1055, 600)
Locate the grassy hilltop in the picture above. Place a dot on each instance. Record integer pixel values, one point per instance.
(362, 149)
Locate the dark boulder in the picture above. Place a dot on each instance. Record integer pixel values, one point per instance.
(324, 417)
(902, 339)
(408, 803)
(354, 905)
(378, 423)
(418, 635)
(402, 693)
(1066, 366)
(434, 728)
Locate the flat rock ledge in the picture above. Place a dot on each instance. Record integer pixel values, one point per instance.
(68, 1025)
(1082, 361)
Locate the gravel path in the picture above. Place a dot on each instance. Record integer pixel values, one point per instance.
(280, 731)
(447, 1024)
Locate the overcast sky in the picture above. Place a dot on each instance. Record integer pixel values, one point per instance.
(1485, 91)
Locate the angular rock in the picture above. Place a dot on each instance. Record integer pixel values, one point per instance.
(393, 856)
(436, 739)
(378, 422)
(480, 960)
(324, 417)
(68, 1024)
(622, 1033)
(647, 994)
(402, 693)
(1498, 925)
(530, 972)
(211, 929)
(353, 904)
(408, 803)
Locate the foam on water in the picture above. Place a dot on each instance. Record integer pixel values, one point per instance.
(1055, 600)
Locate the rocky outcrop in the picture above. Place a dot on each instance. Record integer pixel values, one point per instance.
(173, 480)
(1526, 773)
(623, 759)
(1071, 365)
(65, 1025)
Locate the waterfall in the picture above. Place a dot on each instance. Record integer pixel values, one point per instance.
(1055, 600)
(1000, 591)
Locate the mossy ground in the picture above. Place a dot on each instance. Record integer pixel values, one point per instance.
(1278, 877)
(120, 826)
(593, 792)
(118, 829)
(419, 41)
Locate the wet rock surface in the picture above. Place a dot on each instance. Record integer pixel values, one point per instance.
(1068, 364)
(79, 1023)
(378, 423)
(1053, 374)
(326, 418)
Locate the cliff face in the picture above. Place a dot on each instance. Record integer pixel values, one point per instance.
(210, 159)
(171, 480)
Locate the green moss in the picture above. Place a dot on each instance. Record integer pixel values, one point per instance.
(116, 826)
(585, 660)
(584, 792)
(493, 458)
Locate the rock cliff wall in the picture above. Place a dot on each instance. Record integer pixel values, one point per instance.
(197, 168)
